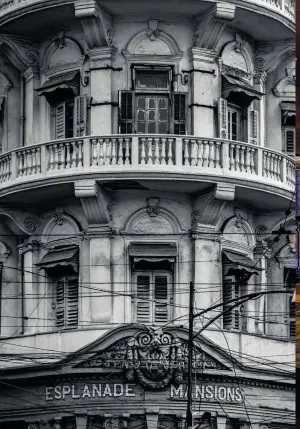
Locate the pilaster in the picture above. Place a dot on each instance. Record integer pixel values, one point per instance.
(32, 101)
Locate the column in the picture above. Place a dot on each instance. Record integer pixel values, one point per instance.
(261, 254)
(260, 85)
(30, 291)
(101, 90)
(100, 290)
(31, 113)
(207, 273)
(203, 87)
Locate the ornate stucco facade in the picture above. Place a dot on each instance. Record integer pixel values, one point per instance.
(145, 146)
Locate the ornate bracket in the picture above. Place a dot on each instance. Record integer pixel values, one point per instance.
(96, 204)
(270, 54)
(96, 23)
(210, 26)
(22, 52)
(20, 222)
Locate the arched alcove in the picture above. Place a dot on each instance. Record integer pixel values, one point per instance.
(236, 56)
(59, 229)
(238, 236)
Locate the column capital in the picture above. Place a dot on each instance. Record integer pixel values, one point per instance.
(31, 73)
(102, 54)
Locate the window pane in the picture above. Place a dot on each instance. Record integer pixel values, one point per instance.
(143, 296)
(161, 298)
(152, 79)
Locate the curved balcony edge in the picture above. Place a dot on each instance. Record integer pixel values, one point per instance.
(148, 157)
(10, 9)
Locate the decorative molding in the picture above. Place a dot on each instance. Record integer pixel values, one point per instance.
(262, 249)
(152, 207)
(211, 25)
(95, 202)
(236, 57)
(4, 252)
(5, 85)
(28, 246)
(205, 236)
(207, 210)
(279, 90)
(22, 52)
(225, 192)
(286, 256)
(20, 221)
(153, 32)
(271, 54)
(261, 232)
(204, 56)
(153, 356)
(96, 23)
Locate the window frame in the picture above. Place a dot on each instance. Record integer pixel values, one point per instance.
(170, 293)
(233, 108)
(65, 279)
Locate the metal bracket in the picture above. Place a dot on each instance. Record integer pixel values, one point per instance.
(213, 72)
(107, 67)
(104, 103)
(200, 105)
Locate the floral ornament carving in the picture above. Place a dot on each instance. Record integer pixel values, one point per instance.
(239, 218)
(153, 32)
(261, 231)
(60, 40)
(31, 224)
(59, 219)
(152, 207)
(154, 357)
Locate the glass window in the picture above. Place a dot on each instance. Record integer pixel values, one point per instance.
(152, 79)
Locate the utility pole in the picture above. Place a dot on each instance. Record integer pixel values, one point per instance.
(189, 413)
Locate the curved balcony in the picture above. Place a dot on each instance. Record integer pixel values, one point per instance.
(181, 158)
(15, 8)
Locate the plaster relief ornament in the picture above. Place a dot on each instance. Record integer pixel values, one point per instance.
(153, 357)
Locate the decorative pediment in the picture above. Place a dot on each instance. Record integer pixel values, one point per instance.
(155, 357)
(286, 88)
(236, 60)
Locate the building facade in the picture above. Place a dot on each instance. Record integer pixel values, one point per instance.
(145, 146)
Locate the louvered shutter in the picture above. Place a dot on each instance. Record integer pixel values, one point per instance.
(60, 121)
(160, 298)
(292, 317)
(72, 302)
(143, 299)
(179, 113)
(289, 140)
(60, 303)
(253, 127)
(228, 286)
(80, 115)
(223, 118)
(126, 112)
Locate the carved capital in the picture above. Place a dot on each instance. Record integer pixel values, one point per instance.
(22, 52)
(210, 26)
(95, 202)
(96, 23)
(29, 246)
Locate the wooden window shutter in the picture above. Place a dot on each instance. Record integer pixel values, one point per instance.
(253, 127)
(179, 113)
(223, 118)
(161, 299)
(289, 140)
(292, 318)
(60, 121)
(228, 286)
(126, 112)
(143, 299)
(80, 115)
(60, 303)
(72, 302)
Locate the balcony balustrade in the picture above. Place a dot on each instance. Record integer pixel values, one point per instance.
(181, 155)
(283, 7)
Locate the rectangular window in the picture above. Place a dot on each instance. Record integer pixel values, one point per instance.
(152, 296)
(289, 140)
(67, 302)
(290, 284)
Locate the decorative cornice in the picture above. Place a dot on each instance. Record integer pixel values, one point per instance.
(96, 23)
(210, 25)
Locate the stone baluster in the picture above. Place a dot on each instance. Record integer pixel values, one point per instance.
(61, 149)
(199, 153)
(80, 154)
(73, 151)
(186, 152)
(252, 162)
(113, 153)
(237, 158)
(143, 152)
(120, 152)
(156, 152)
(243, 159)
(107, 152)
(101, 155)
(149, 154)
(218, 157)
(205, 153)
(211, 160)
(94, 152)
(247, 159)
(34, 159)
(163, 151)
(170, 151)
(231, 158)
(68, 155)
(28, 155)
(193, 153)
(127, 151)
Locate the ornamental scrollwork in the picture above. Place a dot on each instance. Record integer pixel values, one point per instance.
(31, 224)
